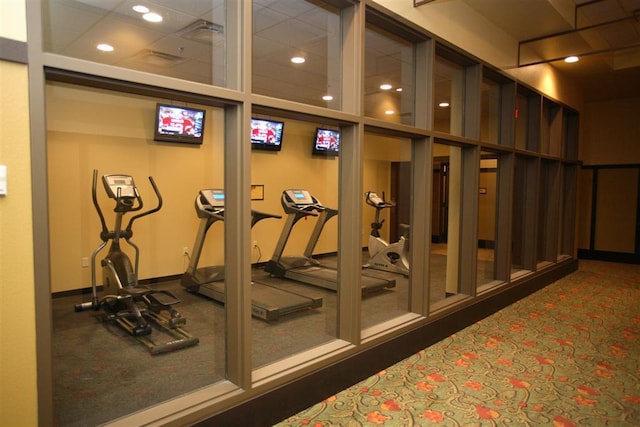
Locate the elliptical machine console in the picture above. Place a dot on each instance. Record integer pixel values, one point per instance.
(125, 302)
(384, 256)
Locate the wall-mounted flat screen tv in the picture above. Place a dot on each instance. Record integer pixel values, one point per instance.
(179, 124)
(326, 142)
(266, 134)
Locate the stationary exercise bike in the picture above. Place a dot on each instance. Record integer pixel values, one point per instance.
(382, 255)
(125, 302)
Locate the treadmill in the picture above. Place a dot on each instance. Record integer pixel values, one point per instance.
(267, 302)
(300, 204)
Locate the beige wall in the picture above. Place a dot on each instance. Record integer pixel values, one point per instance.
(18, 391)
(610, 132)
(93, 129)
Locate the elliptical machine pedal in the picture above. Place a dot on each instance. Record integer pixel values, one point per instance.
(134, 308)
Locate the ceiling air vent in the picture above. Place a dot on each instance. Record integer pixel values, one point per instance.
(160, 59)
(202, 31)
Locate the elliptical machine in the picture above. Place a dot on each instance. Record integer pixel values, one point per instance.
(127, 303)
(382, 255)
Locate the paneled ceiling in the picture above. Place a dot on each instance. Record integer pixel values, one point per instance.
(604, 33)
(189, 45)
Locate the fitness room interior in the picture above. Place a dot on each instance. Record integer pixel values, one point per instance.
(225, 236)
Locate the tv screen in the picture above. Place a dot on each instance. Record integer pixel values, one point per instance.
(179, 124)
(266, 134)
(327, 142)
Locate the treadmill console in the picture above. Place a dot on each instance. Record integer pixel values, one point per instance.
(300, 197)
(210, 204)
(213, 198)
(119, 186)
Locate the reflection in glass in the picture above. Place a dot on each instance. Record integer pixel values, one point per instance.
(487, 217)
(446, 214)
(187, 41)
(294, 257)
(567, 211)
(386, 223)
(522, 123)
(490, 104)
(548, 212)
(389, 76)
(449, 96)
(296, 52)
(551, 129)
(523, 239)
(98, 359)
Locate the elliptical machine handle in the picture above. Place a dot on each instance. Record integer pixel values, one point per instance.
(94, 196)
(156, 209)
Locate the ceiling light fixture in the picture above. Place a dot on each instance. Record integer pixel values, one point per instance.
(385, 86)
(443, 104)
(571, 59)
(389, 112)
(140, 8)
(328, 98)
(152, 17)
(399, 89)
(298, 60)
(104, 47)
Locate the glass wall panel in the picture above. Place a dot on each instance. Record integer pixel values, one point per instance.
(295, 287)
(386, 222)
(296, 51)
(444, 269)
(490, 110)
(523, 241)
(185, 40)
(103, 354)
(487, 218)
(389, 76)
(567, 211)
(548, 212)
(448, 86)
(570, 126)
(528, 110)
(551, 128)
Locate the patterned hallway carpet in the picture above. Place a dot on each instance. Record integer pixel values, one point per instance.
(568, 355)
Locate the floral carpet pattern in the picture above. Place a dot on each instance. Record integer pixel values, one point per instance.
(568, 355)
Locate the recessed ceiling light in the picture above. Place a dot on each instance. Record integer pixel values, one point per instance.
(571, 59)
(152, 17)
(385, 86)
(443, 104)
(140, 8)
(389, 112)
(328, 98)
(104, 47)
(399, 89)
(298, 60)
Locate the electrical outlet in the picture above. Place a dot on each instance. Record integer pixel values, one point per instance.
(185, 251)
(85, 261)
